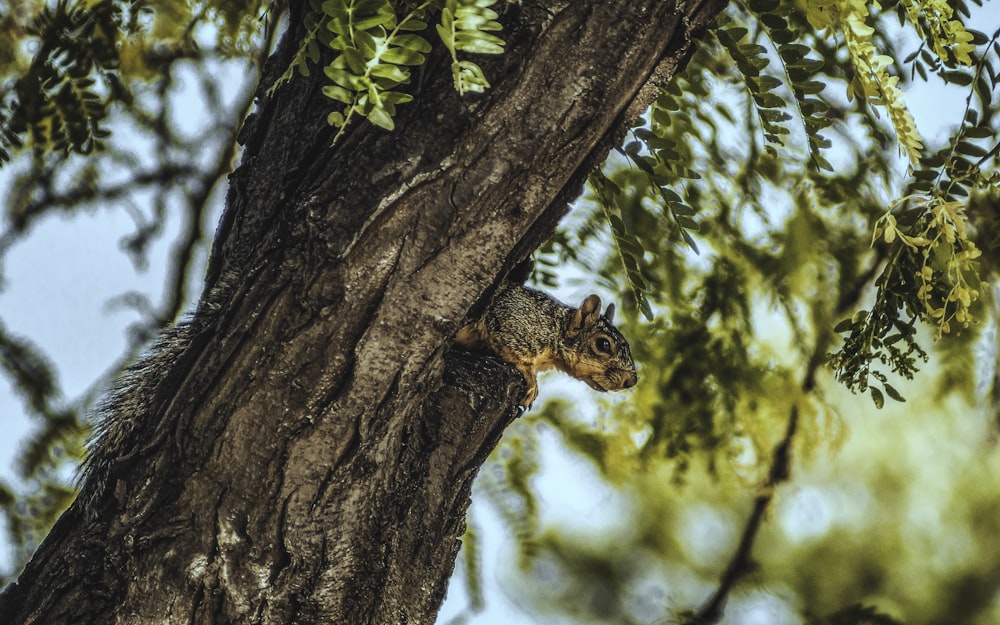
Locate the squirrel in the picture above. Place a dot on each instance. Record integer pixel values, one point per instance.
(535, 332)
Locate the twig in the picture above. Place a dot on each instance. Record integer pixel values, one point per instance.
(741, 563)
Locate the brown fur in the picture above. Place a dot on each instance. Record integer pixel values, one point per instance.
(534, 332)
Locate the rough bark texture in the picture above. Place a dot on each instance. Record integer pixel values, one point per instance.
(308, 456)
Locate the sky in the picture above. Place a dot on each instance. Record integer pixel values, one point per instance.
(59, 280)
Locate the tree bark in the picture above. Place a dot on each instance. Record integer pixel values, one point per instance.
(307, 455)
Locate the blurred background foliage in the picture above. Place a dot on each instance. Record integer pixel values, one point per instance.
(778, 232)
(127, 107)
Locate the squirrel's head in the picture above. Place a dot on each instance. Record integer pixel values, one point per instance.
(600, 355)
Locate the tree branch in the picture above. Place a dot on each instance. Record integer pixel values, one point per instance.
(742, 563)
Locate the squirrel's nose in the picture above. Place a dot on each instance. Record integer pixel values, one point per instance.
(631, 381)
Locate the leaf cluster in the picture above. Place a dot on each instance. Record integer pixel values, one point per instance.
(800, 74)
(375, 50)
(885, 334)
(748, 239)
(680, 148)
(466, 27)
(375, 43)
(614, 200)
(684, 135)
(654, 199)
(53, 446)
(56, 101)
(931, 271)
(934, 23)
(768, 240)
(658, 153)
(87, 56)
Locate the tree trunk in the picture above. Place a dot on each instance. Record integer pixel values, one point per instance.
(304, 450)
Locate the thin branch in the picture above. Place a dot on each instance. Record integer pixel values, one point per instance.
(742, 562)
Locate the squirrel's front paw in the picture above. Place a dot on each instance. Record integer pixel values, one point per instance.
(530, 395)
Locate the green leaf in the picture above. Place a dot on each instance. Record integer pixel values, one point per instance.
(366, 44)
(681, 208)
(343, 78)
(774, 115)
(765, 83)
(783, 36)
(892, 392)
(402, 56)
(630, 245)
(617, 225)
(380, 118)
(768, 100)
(412, 24)
(810, 65)
(979, 132)
(644, 307)
(957, 78)
(356, 61)
(670, 196)
(845, 325)
(478, 43)
(690, 241)
(970, 149)
(752, 49)
(810, 86)
(469, 77)
(734, 33)
(790, 53)
(368, 14)
(877, 397)
(413, 43)
(775, 22)
(396, 97)
(339, 94)
(390, 72)
(340, 26)
(687, 223)
(821, 162)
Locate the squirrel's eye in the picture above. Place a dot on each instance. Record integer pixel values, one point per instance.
(603, 345)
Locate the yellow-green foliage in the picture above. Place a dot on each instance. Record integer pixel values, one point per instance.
(944, 240)
(375, 42)
(872, 80)
(93, 54)
(371, 45)
(748, 212)
(935, 23)
(776, 253)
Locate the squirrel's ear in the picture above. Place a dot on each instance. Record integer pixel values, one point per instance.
(610, 314)
(590, 308)
(591, 305)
